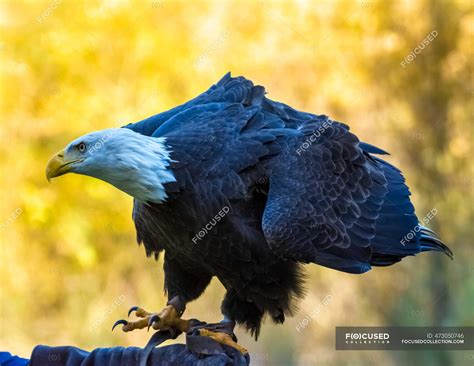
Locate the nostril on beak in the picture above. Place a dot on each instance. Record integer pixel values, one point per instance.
(61, 155)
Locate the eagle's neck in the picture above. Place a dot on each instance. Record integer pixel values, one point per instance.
(138, 165)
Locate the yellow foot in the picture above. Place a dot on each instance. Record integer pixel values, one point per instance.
(165, 319)
(223, 338)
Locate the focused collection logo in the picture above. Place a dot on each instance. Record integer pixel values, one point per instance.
(367, 337)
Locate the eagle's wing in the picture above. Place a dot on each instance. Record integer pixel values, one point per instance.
(328, 202)
(218, 147)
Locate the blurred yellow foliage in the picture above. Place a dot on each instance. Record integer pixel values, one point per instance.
(69, 67)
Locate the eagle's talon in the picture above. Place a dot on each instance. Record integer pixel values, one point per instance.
(152, 319)
(132, 309)
(120, 321)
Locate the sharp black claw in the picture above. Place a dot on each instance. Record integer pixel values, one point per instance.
(132, 309)
(152, 319)
(121, 321)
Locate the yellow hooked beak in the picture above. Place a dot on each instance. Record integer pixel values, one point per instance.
(58, 165)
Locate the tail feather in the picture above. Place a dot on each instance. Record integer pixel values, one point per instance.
(398, 232)
(429, 241)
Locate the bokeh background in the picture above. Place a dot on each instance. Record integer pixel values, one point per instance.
(69, 264)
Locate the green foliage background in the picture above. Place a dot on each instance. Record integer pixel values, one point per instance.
(69, 265)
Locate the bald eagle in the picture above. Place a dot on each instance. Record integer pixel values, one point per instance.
(234, 185)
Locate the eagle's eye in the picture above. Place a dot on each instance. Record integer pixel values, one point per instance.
(81, 147)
